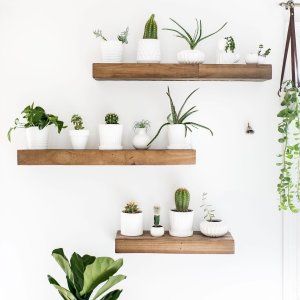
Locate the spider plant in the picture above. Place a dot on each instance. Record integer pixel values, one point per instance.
(192, 39)
(180, 117)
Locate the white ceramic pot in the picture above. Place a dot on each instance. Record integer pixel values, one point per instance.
(215, 228)
(177, 138)
(228, 58)
(131, 224)
(79, 138)
(181, 223)
(148, 51)
(110, 136)
(36, 138)
(112, 51)
(262, 60)
(157, 231)
(141, 139)
(191, 57)
(251, 59)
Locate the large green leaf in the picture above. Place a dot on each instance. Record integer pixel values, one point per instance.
(99, 271)
(114, 295)
(113, 280)
(77, 267)
(67, 295)
(62, 260)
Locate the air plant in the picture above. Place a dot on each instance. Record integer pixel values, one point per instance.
(208, 211)
(142, 124)
(122, 37)
(230, 44)
(262, 52)
(180, 117)
(192, 39)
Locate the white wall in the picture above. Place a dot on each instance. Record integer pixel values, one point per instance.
(46, 55)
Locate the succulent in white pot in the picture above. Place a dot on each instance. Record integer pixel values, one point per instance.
(181, 218)
(157, 230)
(191, 55)
(149, 47)
(79, 135)
(110, 133)
(179, 128)
(226, 54)
(112, 50)
(262, 54)
(211, 226)
(131, 220)
(141, 138)
(36, 122)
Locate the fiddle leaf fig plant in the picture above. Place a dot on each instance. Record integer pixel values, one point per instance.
(289, 128)
(85, 273)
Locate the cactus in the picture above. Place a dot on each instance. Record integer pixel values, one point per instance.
(111, 119)
(131, 208)
(150, 28)
(156, 216)
(182, 200)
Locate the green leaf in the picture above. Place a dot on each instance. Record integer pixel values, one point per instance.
(78, 268)
(66, 295)
(99, 271)
(114, 295)
(158, 132)
(184, 103)
(173, 110)
(113, 280)
(201, 39)
(62, 260)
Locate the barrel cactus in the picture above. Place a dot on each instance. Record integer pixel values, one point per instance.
(111, 119)
(182, 200)
(150, 28)
(131, 208)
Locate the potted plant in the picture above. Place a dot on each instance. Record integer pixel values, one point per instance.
(157, 230)
(181, 218)
(141, 137)
(227, 53)
(110, 133)
(179, 128)
(131, 220)
(85, 273)
(149, 46)
(191, 56)
(36, 122)
(211, 226)
(262, 54)
(79, 136)
(112, 50)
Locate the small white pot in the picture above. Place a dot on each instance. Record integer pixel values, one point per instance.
(131, 224)
(110, 136)
(141, 139)
(191, 57)
(36, 138)
(215, 228)
(148, 51)
(251, 59)
(112, 51)
(157, 231)
(79, 138)
(262, 60)
(181, 223)
(228, 58)
(177, 138)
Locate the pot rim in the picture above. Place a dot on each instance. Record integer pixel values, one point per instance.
(125, 213)
(174, 210)
(214, 221)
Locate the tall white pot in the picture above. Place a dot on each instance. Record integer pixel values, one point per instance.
(148, 51)
(36, 138)
(110, 136)
(181, 223)
(79, 138)
(177, 138)
(112, 51)
(131, 224)
(191, 57)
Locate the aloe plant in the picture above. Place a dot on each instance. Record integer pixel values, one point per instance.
(85, 273)
(192, 39)
(180, 117)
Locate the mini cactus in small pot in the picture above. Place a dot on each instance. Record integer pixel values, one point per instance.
(226, 53)
(149, 46)
(112, 50)
(79, 135)
(131, 220)
(157, 230)
(181, 218)
(110, 133)
(211, 226)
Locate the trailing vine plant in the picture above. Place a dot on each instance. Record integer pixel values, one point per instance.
(289, 128)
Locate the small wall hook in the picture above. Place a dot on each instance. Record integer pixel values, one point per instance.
(249, 129)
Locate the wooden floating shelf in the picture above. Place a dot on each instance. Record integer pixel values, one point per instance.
(106, 157)
(196, 244)
(160, 72)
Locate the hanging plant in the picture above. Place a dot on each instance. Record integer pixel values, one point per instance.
(289, 127)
